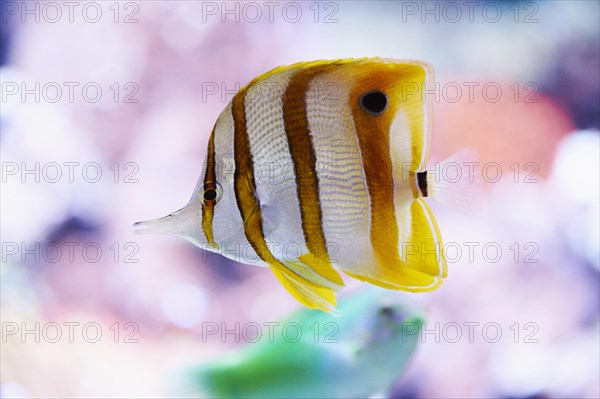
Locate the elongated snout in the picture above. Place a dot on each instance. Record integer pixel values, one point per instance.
(184, 223)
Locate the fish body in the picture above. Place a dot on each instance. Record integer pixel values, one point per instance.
(319, 168)
(348, 357)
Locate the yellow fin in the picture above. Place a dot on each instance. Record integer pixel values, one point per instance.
(341, 61)
(304, 291)
(421, 266)
(407, 280)
(423, 251)
(321, 267)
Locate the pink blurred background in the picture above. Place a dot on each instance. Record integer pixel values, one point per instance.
(166, 58)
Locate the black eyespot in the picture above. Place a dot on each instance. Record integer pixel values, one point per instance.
(374, 102)
(211, 193)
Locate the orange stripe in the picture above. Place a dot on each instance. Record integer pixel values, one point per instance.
(380, 183)
(373, 132)
(244, 183)
(249, 207)
(210, 181)
(305, 160)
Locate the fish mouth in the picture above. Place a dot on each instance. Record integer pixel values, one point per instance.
(162, 225)
(177, 223)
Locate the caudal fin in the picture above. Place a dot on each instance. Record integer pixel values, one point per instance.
(456, 181)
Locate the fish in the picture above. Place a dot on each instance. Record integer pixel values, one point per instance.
(344, 353)
(319, 168)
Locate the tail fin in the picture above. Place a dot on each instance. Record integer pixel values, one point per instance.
(455, 181)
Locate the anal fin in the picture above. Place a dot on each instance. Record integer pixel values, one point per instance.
(312, 289)
(321, 267)
(406, 280)
(305, 292)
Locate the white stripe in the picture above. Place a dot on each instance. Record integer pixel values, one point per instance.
(435, 281)
(228, 228)
(345, 202)
(273, 167)
(426, 116)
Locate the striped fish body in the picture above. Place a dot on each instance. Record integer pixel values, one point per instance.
(313, 169)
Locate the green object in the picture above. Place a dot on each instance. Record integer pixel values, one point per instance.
(356, 354)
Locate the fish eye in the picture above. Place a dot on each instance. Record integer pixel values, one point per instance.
(374, 102)
(211, 193)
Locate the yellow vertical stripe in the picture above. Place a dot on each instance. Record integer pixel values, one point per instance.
(374, 135)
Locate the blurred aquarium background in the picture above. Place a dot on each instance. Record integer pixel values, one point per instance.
(131, 90)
